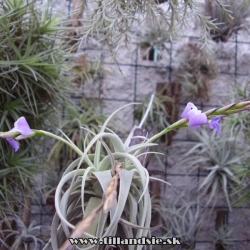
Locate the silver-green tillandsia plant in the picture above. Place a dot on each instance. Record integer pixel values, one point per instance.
(217, 157)
(32, 63)
(240, 122)
(108, 193)
(24, 236)
(223, 237)
(181, 219)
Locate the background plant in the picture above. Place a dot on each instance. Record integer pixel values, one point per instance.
(152, 42)
(223, 237)
(219, 158)
(158, 117)
(31, 85)
(228, 22)
(84, 70)
(77, 122)
(196, 69)
(181, 219)
(111, 22)
(239, 124)
(243, 191)
(24, 236)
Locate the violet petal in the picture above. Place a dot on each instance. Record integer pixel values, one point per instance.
(214, 124)
(22, 126)
(14, 144)
(190, 106)
(196, 118)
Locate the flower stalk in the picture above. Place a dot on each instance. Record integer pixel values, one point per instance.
(70, 144)
(224, 111)
(18, 136)
(18, 131)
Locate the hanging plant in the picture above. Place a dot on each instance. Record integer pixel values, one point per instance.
(82, 70)
(196, 69)
(153, 42)
(230, 19)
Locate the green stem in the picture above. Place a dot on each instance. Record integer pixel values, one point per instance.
(70, 144)
(179, 124)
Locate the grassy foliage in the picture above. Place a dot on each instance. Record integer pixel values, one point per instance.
(30, 60)
(31, 85)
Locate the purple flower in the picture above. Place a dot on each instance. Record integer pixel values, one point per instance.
(214, 123)
(195, 117)
(21, 127)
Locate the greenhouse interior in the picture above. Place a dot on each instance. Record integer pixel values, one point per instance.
(125, 124)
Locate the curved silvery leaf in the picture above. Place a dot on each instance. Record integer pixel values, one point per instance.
(112, 115)
(139, 147)
(58, 204)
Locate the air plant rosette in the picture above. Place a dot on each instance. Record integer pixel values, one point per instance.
(217, 158)
(223, 237)
(108, 193)
(195, 71)
(85, 71)
(24, 236)
(153, 42)
(183, 222)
